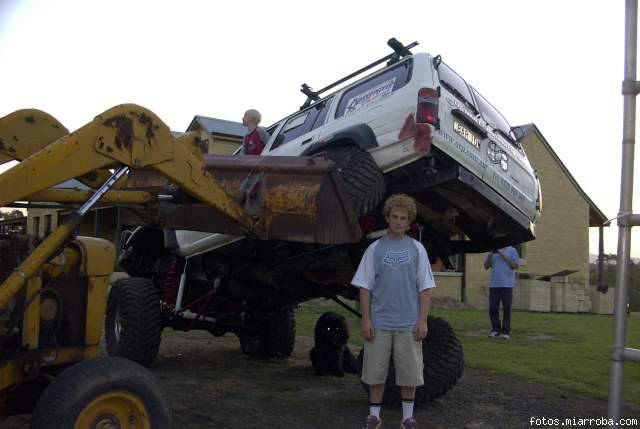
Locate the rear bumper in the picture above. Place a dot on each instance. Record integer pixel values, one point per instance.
(485, 217)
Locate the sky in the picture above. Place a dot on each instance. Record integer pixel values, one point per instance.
(558, 64)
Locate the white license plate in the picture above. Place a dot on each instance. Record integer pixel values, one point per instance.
(466, 134)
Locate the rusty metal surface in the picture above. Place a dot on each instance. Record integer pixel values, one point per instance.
(303, 197)
(27, 131)
(80, 196)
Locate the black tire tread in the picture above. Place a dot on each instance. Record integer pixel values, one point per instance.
(139, 303)
(275, 339)
(443, 365)
(64, 399)
(364, 181)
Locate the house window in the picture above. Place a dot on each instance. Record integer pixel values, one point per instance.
(47, 224)
(36, 226)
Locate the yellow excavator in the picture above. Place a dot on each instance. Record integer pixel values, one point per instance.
(53, 294)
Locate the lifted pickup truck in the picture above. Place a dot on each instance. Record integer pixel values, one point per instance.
(413, 126)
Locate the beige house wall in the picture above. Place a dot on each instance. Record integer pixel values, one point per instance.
(447, 285)
(218, 145)
(223, 146)
(40, 222)
(562, 241)
(477, 279)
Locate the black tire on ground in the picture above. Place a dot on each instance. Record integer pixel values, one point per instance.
(443, 365)
(273, 338)
(106, 391)
(363, 179)
(133, 323)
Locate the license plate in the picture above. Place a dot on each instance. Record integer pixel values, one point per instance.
(466, 134)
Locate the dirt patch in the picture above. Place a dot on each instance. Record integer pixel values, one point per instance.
(211, 384)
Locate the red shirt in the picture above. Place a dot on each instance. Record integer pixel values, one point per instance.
(253, 145)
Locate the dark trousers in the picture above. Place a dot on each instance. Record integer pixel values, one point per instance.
(497, 294)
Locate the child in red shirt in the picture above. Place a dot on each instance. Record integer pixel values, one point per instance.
(256, 137)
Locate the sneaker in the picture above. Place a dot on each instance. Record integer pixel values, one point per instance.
(410, 423)
(372, 422)
(505, 336)
(494, 334)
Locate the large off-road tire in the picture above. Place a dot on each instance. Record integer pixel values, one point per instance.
(443, 365)
(363, 179)
(133, 323)
(103, 392)
(270, 337)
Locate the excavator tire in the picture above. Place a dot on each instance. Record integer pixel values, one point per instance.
(443, 365)
(133, 322)
(274, 338)
(363, 179)
(103, 392)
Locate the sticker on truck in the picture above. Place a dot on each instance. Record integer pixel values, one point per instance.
(370, 96)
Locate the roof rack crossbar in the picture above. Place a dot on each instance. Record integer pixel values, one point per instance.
(399, 52)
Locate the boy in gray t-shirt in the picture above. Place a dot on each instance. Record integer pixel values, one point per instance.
(395, 281)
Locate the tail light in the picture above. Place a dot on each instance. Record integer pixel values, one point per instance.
(427, 106)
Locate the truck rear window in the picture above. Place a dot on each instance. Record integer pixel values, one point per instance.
(492, 116)
(455, 84)
(373, 89)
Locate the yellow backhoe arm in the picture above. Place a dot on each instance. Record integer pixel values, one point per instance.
(124, 135)
(25, 132)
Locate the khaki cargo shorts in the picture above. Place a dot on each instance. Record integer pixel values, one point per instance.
(407, 358)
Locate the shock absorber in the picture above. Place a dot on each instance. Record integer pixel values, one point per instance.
(171, 281)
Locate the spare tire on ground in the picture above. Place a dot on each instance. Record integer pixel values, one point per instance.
(443, 365)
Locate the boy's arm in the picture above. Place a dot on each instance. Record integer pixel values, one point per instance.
(487, 262)
(425, 284)
(364, 279)
(365, 305)
(512, 264)
(421, 326)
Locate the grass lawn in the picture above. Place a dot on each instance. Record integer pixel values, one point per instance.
(569, 351)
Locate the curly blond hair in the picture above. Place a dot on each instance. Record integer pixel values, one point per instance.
(401, 201)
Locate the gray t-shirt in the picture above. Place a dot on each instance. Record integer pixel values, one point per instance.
(395, 271)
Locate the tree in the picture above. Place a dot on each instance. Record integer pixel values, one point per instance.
(10, 214)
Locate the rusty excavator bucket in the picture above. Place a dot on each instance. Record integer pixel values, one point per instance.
(290, 198)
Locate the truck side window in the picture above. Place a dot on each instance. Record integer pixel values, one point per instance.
(323, 109)
(302, 123)
(375, 88)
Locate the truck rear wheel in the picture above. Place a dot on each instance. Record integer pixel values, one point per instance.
(363, 179)
(443, 365)
(133, 323)
(103, 392)
(270, 337)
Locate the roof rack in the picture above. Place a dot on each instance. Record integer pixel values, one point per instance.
(399, 51)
